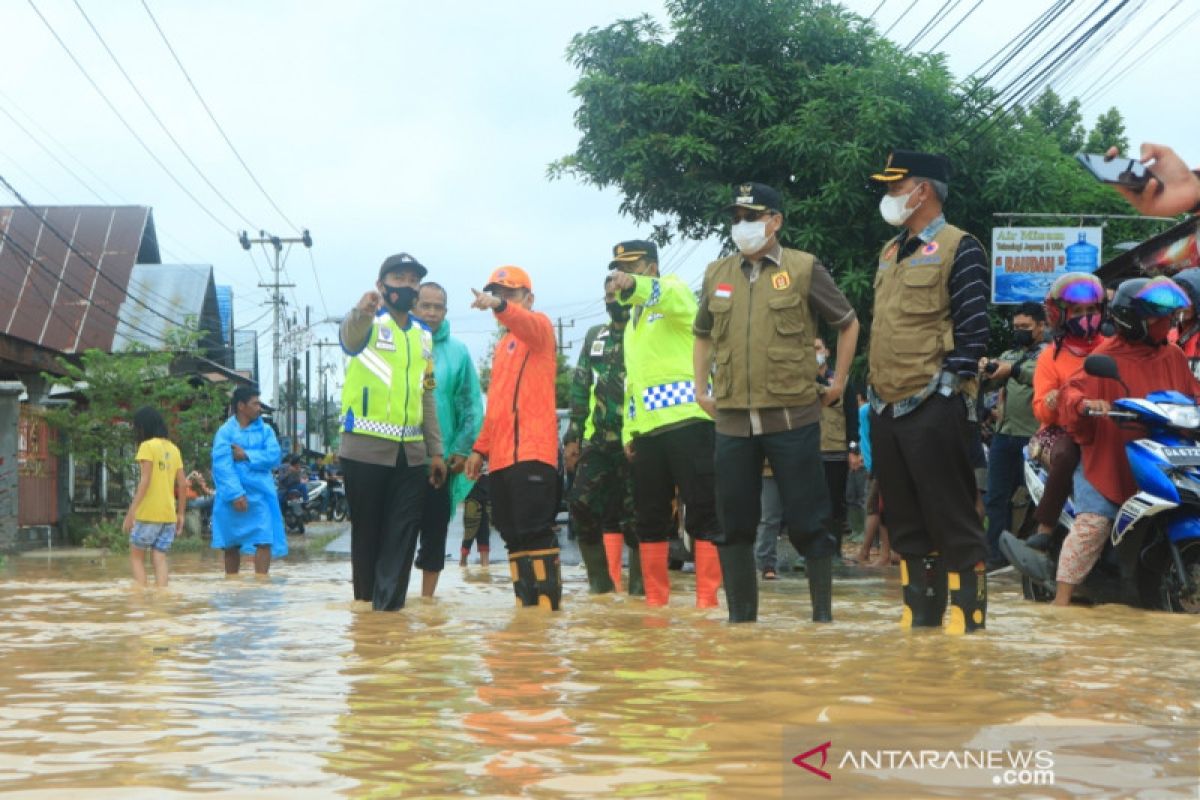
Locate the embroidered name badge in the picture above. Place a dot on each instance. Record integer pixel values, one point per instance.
(723, 290)
(781, 281)
(653, 318)
(930, 248)
(598, 347)
(916, 262)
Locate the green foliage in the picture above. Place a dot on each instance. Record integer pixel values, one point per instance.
(106, 534)
(1109, 131)
(112, 386)
(807, 97)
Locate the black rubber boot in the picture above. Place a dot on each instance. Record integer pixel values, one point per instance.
(520, 566)
(548, 578)
(741, 581)
(968, 600)
(636, 587)
(820, 588)
(596, 563)
(924, 583)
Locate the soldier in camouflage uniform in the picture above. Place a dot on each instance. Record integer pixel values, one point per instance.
(601, 499)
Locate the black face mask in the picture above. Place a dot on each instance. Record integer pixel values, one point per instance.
(400, 298)
(1023, 338)
(617, 312)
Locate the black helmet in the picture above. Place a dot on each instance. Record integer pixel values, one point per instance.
(1142, 299)
(1189, 281)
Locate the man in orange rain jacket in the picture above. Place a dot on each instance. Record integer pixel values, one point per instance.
(519, 438)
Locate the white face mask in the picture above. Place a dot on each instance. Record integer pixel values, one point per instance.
(820, 359)
(750, 237)
(892, 208)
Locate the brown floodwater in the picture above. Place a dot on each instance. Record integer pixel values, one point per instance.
(285, 688)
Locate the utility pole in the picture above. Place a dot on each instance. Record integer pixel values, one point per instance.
(562, 349)
(307, 381)
(323, 368)
(277, 243)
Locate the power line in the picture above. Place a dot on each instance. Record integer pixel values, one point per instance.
(876, 11)
(938, 16)
(903, 14)
(963, 19)
(216, 124)
(161, 124)
(125, 122)
(1089, 94)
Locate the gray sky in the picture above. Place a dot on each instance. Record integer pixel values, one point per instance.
(423, 127)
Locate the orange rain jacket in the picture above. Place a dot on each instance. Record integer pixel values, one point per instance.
(521, 423)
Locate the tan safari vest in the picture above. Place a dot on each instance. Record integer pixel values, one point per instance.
(762, 333)
(833, 428)
(912, 330)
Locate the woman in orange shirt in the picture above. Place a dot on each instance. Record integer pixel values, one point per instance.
(1074, 311)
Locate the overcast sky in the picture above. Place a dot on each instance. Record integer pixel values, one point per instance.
(422, 127)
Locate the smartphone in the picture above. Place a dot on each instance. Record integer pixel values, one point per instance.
(1120, 170)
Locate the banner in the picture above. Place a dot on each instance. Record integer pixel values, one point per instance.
(1027, 261)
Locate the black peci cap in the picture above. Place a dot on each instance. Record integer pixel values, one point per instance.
(903, 164)
(756, 197)
(634, 250)
(401, 262)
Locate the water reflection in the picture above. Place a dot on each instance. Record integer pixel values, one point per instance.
(284, 687)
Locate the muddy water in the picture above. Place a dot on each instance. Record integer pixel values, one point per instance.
(284, 688)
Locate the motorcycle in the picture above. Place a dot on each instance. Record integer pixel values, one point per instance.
(299, 503)
(1152, 558)
(337, 506)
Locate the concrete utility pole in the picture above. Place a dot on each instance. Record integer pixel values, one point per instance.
(276, 242)
(322, 369)
(563, 348)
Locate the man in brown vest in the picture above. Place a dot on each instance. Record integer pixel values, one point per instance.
(757, 320)
(930, 329)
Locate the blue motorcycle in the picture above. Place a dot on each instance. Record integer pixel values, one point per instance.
(1152, 558)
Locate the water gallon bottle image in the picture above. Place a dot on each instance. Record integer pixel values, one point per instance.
(1083, 256)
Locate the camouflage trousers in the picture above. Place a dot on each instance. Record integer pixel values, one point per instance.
(601, 498)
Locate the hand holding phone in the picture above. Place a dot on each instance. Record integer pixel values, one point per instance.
(1128, 173)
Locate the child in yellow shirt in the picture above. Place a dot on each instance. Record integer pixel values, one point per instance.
(156, 514)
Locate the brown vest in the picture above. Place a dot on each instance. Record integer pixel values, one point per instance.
(833, 428)
(762, 333)
(912, 330)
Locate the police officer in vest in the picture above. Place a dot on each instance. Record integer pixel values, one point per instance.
(757, 320)
(391, 444)
(930, 329)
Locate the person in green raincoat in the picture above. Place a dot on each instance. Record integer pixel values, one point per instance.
(460, 415)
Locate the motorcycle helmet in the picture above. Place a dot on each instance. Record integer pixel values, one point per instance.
(1140, 301)
(1189, 281)
(1077, 288)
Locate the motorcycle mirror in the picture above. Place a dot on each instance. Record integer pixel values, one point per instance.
(1101, 366)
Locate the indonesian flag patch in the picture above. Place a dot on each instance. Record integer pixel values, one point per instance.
(723, 290)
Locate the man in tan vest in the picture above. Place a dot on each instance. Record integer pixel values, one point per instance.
(929, 331)
(757, 320)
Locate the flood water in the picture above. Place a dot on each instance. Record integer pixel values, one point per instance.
(285, 688)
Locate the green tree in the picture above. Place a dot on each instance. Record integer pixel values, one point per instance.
(1061, 121)
(1109, 131)
(807, 97)
(111, 386)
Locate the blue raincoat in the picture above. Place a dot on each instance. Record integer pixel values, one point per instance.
(262, 522)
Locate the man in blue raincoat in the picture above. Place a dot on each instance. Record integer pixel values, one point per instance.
(460, 416)
(246, 516)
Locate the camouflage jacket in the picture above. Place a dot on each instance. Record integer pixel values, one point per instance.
(598, 387)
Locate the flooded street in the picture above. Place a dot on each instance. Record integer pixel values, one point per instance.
(285, 688)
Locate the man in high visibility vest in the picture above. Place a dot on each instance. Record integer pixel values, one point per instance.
(667, 435)
(391, 443)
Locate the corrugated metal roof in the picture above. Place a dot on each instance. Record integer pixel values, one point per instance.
(48, 294)
(165, 296)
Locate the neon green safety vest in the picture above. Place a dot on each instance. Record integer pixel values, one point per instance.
(659, 390)
(386, 381)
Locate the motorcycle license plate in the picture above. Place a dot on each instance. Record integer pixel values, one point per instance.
(1182, 456)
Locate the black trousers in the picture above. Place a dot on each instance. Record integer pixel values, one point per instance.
(795, 458)
(524, 503)
(923, 464)
(681, 458)
(385, 521)
(836, 473)
(435, 522)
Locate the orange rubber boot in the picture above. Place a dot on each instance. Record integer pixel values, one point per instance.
(708, 573)
(654, 572)
(614, 548)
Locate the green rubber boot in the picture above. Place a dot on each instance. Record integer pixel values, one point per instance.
(820, 588)
(741, 581)
(596, 563)
(636, 587)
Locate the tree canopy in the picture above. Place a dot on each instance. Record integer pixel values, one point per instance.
(809, 98)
